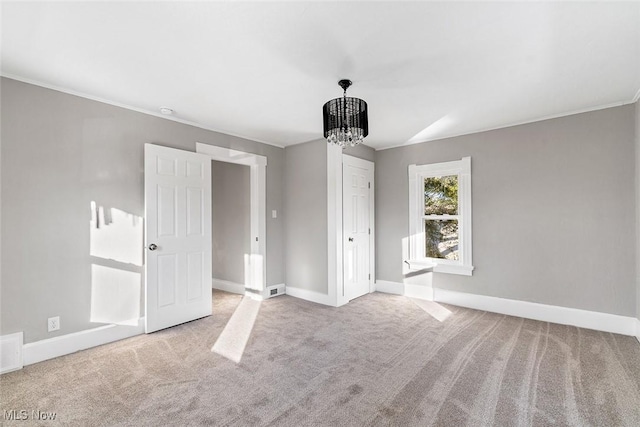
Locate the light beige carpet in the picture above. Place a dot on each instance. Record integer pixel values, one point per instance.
(381, 360)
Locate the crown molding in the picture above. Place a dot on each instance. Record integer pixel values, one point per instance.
(633, 100)
(130, 107)
(525, 122)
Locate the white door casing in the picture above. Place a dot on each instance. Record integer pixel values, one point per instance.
(256, 261)
(357, 193)
(178, 224)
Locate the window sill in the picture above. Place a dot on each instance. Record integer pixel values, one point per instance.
(414, 265)
(419, 264)
(463, 270)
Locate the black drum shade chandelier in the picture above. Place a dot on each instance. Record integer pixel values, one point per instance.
(345, 119)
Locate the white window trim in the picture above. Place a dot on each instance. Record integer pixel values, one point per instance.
(417, 174)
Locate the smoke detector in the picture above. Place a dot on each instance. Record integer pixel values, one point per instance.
(165, 110)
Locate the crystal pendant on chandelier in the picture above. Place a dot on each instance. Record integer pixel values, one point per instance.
(350, 137)
(345, 119)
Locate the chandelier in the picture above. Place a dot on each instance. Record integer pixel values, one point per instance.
(345, 119)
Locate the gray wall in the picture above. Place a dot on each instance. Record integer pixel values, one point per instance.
(637, 110)
(553, 210)
(306, 216)
(361, 151)
(231, 219)
(59, 153)
(306, 241)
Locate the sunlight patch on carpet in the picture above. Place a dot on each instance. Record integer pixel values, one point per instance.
(433, 309)
(233, 339)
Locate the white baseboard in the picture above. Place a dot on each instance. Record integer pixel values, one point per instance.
(547, 313)
(66, 344)
(11, 352)
(238, 288)
(389, 287)
(227, 286)
(312, 296)
(407, 289)
(270, 292)
(418, 291)
(530, 310)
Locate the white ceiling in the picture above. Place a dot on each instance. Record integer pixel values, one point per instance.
(263, 70)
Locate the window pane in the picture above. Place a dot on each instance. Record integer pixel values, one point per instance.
(441, 195)
(441, 238)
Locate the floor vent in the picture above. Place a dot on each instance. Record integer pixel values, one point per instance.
(274, 291)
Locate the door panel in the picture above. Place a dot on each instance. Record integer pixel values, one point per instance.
(194, 211)
(167, 267)
(357, 174)
(195, 263)
(178, 228)
(166, 211)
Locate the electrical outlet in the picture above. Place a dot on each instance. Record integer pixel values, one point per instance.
(53, 323)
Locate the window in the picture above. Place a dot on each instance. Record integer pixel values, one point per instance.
(440, 217)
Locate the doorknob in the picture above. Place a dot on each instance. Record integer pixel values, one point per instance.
(351, 239)
(153, 247)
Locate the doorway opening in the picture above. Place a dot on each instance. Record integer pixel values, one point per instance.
(254, 250)
(231, 224)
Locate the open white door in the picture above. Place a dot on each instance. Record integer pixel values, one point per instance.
(177, 196)
(357, 214)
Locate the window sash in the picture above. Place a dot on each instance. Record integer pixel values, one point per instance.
(459, 234)
(424, 177)
(423, 238)
(441, 217)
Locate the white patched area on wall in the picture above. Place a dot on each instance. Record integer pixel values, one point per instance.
(11, 352)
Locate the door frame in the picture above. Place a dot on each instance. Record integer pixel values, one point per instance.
(258, 210)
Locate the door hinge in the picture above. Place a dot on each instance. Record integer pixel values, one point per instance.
(369, 276)
(369, 231)
(369, 185)
(256, 239)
